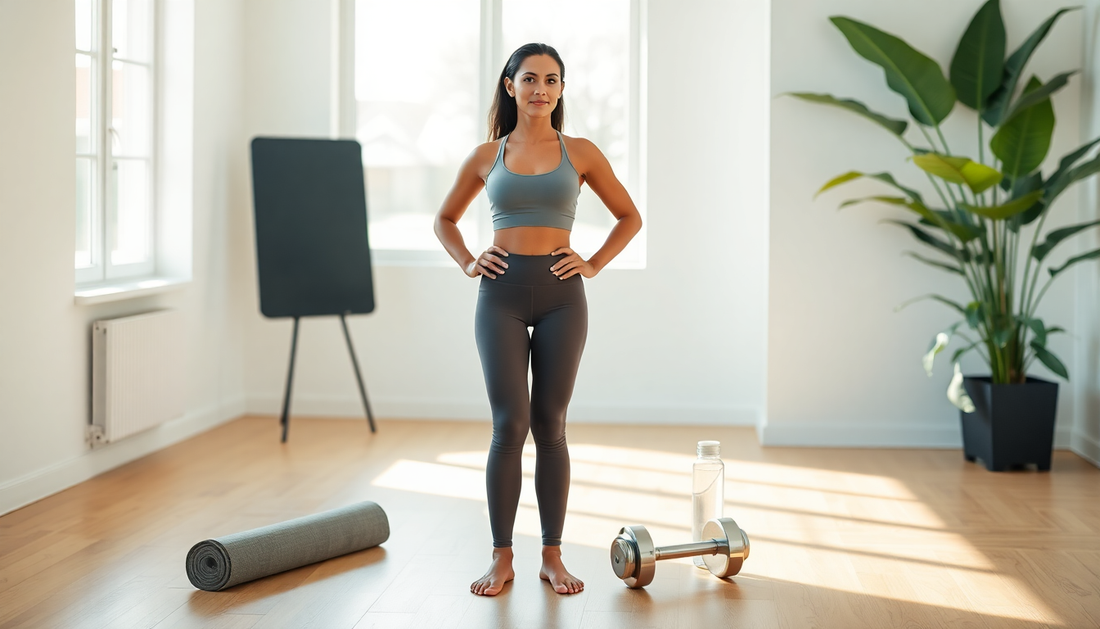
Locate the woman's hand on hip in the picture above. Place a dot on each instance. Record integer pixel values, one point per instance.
(488, 264)
(571, 264)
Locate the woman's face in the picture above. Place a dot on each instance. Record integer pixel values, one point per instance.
(537, 86)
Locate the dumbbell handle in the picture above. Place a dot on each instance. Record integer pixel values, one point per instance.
(694, 549)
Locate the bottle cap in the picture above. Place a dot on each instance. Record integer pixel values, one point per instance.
(709, 448)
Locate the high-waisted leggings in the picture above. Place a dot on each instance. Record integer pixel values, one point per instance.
(527, 295)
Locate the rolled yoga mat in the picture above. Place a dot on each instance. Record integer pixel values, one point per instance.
(220, 563)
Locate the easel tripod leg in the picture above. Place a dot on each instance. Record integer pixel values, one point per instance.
(285, 421)
(358, 376)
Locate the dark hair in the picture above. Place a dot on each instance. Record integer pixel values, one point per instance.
(502, 114)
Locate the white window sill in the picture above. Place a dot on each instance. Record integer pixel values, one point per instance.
(117, 290)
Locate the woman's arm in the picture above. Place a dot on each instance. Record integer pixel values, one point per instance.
(466, 187)
(628, 221)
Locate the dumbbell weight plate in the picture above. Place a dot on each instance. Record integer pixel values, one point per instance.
(730, 556)
(633, 557)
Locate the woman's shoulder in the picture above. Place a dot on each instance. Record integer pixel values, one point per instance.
(583, 153)
(482, 158)
(489, 148)
(579, 143)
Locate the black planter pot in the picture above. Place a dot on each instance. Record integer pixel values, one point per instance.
(1012, 424)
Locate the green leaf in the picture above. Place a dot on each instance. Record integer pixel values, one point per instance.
(978, 177)
(1005, 210)
(939, 298)
(1053, 238)
(1024, 140)
(1019, 188)
(957, 393)
(975, 312)
(1092, 255)
(1071, 158)
(915, 206)
(1014, 69)
(1037, 328)
(961, 255)
(1030, 97)
(1050, 360)
(978, 64)
(852, 175)
(1055, 187)
(908, 72)
(897, 127)
(939, 265)
(964, 231)
(959, 352)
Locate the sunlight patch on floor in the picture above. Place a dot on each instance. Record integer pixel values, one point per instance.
(766, 494)
(787, 511)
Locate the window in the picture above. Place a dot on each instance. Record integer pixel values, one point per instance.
(114, 139)
(424, 74)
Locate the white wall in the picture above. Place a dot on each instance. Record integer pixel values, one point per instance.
(843, 368)
(1086, 438)
(683, 341)
(679, 342)
(44, 337)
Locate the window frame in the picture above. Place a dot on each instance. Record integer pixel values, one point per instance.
(343, 119)
(102, 221)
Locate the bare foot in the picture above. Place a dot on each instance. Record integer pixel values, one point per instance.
(553, 570)
(499, 573)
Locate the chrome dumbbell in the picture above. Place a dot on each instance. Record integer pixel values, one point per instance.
(634, 557)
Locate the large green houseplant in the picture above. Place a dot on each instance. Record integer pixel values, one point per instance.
(985, 206)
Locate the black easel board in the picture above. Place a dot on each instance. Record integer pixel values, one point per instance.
(312, 252)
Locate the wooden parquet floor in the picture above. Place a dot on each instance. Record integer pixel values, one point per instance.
(840, 538)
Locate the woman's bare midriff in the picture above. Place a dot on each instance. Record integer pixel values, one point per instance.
(531, 241)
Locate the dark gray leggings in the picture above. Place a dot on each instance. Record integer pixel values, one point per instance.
(528, 294)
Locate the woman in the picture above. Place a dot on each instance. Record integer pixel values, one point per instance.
(531, 278)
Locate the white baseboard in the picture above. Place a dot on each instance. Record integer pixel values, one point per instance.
(391, 408)
(869, 435)
(49, 480)
(1086, 447)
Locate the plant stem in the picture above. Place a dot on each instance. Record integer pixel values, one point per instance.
(1027, 304)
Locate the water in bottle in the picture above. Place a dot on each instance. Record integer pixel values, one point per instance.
(708, 481)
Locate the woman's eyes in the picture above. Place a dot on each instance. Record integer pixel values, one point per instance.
(528, 79)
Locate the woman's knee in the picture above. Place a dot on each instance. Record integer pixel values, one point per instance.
(511, 432)
(548, 433)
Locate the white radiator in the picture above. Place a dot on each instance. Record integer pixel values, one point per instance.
(137, 374)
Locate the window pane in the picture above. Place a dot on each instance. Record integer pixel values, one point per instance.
(128, 232)
(416, 87)
(131, 110)
(84, 24)
(84, 100)
(85, 191)
(131, 29)
(596, 54)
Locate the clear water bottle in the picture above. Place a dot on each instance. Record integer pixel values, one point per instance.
(708, 480)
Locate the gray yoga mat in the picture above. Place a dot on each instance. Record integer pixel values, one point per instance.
(220, 563)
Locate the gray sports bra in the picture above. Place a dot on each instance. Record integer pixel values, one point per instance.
(544, 200)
